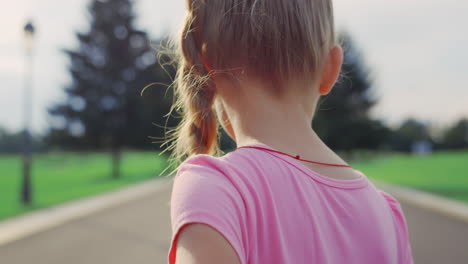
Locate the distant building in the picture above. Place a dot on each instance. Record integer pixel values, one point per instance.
(421, 147)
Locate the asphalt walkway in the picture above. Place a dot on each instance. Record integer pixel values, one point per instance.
(139, 232)
(131, 233)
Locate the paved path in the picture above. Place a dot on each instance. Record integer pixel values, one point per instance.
(138, 232)
(435, 238)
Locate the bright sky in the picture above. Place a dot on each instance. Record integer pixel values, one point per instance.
(417, 50)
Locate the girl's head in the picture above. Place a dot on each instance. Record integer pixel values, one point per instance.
(273, 42)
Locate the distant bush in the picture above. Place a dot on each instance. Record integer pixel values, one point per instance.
(11, 143)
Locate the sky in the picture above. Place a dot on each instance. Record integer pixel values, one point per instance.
(417, 51)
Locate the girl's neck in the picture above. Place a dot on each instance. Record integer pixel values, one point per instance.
(278, 132)
(282, 124)
(290, 134)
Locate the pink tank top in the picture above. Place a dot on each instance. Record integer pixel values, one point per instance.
(273, 209)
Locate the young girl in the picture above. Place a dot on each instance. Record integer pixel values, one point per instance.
(258, 67)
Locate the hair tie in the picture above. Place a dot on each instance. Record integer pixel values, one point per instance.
(205, 63)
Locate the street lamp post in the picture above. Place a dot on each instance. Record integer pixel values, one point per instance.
(26, 192)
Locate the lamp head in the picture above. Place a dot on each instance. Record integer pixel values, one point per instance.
(29, 29)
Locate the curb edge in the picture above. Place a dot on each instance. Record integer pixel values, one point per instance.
(37, 221)
(451, 208)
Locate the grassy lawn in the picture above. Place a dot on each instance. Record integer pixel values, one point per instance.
(60, 177)
(443, 173)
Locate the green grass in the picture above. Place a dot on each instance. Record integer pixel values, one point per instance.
(443, 173)
(60, 177)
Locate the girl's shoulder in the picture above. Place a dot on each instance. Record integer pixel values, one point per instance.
(205, 191)
(395, 208)
(394, 204)
(400, 226)
(205, 163)
(205, 173)
(226, 165)
(199, 161)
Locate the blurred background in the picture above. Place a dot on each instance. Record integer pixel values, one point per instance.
(77, 121)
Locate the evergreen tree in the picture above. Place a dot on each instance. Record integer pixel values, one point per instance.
(409, 132)
(342, 117)
(456, 137)
(110, 68)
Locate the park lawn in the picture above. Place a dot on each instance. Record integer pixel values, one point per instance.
(443, 173)
(60, 177)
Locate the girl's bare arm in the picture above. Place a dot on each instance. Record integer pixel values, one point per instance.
(201, 244)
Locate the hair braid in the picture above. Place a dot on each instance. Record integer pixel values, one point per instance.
(197, 133)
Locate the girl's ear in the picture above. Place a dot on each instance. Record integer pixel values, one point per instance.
(331, 69)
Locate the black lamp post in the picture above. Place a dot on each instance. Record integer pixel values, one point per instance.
(26, 192)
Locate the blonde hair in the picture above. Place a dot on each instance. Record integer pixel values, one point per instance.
(273, 40)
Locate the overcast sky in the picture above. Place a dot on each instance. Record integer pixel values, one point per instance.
(417, 50)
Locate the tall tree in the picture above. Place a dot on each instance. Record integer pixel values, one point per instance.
(109, 69)
(456, 137)
(342, 117)
(409, 132)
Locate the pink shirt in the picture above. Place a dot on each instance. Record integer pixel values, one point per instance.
(273, 209)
